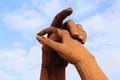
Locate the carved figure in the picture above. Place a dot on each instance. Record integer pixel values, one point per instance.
(64, 45)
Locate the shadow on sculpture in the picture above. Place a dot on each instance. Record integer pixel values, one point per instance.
(63, 45)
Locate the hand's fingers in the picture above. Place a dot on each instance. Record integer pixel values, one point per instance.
(81, 30)
(75, 30)
(48, 30)
(82, 34)
(57, 35)
(79, 26)
(48, 42)
(70, 25)
(57, 22)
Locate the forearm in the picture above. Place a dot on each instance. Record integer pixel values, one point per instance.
(44, 74)
(60, 73)
(52, 73)
(89, 70)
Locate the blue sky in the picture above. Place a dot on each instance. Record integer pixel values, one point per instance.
(20, 53)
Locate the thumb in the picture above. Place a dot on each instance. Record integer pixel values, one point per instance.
(48, 42)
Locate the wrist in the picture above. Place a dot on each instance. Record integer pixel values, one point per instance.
(85, 59)
(89, 70)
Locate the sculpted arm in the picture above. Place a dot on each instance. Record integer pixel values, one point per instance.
(74, 52)
(53, 66)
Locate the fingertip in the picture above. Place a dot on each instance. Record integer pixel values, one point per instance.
(39, 38)
(43, 32)
(38, 34)
(70, 10)
(70, 23)
(79, 26)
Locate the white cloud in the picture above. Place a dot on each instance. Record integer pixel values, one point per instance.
(17, 44)
(83, 8)
(24, 20)
(50, 8)
(33, 74)
(5, 76)
(109, 59)
(21, 63)
(11, 55)
(35, 53)
(97, 2)
(71, 73)
(35, 2)
(94, 24)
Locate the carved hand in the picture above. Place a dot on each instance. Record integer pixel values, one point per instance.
(69, 49)
(73, 51)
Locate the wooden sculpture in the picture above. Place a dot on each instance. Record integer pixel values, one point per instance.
(64, 45)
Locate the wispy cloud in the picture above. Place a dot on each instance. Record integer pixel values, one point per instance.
(50, 8)
(21, 63)
(5, 76)
(24, 20)
(71, 73)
